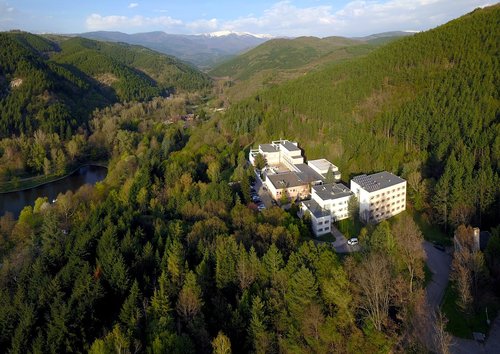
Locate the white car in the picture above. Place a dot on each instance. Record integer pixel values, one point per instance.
(352, 241)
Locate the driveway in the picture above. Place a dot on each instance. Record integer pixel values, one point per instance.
(491, 345)
(263, 195)
(340, 243)
(439, 263)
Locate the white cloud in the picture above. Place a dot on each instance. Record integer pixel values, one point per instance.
(132, 5)
(6, 14)
(356, 18)
(98, 22)
(201, 26)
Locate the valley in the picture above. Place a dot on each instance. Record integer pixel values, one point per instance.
(176, 250)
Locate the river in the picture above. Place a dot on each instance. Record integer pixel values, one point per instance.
(16, 201)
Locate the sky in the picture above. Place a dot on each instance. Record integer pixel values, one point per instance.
(278, 18)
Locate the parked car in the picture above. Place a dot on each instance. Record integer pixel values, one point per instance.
(352, 241)
(256, 199)
(261, 207)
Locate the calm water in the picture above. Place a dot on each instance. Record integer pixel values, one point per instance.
(16, 201)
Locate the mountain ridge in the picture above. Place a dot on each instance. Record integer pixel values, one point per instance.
(201, 50)
(55, 84)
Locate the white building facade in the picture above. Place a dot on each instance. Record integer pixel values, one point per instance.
(333, 198)
(321, 219)
(380, 196)
(278, 152)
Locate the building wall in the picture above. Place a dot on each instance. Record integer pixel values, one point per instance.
(381, 204)
(272, 158)
(319, 226)
(299, 192)
(338, 207)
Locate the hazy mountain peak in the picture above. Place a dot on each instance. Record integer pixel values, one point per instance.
(228, 33)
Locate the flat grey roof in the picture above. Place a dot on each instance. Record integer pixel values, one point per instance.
(322, 164)
(289, 146)
(268, 148)
(307, 173)
(332, 191)
(377, 181)
(286, 180)
(315, 209)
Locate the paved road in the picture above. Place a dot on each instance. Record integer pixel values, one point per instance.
(263, 195)
(469, 346)
(439, 264)
(340, 243)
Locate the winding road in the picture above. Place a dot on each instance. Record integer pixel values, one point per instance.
(439, 263)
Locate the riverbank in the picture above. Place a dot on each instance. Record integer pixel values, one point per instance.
(37, 181)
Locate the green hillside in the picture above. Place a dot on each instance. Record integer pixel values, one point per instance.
(280, 53)
(426, 106)
(280, 60)
(55, 85)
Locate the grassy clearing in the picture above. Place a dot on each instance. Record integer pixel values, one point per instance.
(431, 232)
(461, 324)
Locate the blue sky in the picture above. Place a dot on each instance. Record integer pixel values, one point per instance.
(278, 18)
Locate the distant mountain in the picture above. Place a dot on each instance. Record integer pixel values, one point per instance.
(385, 37)
(55, 84)
(281, 59)
(203, 50)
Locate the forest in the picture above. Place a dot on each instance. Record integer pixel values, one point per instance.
(425, 107)
(55, 84)
(166, 256)
(169, 254)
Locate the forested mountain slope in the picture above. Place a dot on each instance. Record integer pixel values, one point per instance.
(54, 86)
(280, 53)
(279, 60)
(426, 106)
(202, 50)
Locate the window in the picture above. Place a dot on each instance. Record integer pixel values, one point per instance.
(319, 230)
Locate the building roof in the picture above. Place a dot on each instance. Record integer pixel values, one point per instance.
(315, 209)
(286, 180)
(377, 181)
(306, 173)
(332, 191)
(289, 146)
(268, 148)
(322, 164)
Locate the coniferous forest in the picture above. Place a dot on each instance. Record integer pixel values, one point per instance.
(169, 255)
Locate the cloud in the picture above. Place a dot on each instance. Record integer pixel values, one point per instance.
(98, 22)
(355, 18)
(284, 18)
(132, 5)
(6, 13)
(200, 26)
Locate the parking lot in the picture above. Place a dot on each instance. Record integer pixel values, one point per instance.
(263, 194)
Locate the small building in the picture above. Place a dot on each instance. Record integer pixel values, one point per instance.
(295, 184)
(321, 219)
(278, 152)
(288, 184)
(322, 166)
(333, 198)
(380, 195)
